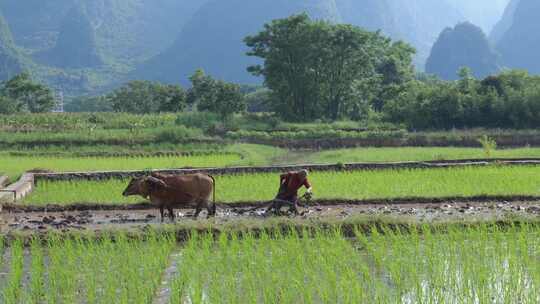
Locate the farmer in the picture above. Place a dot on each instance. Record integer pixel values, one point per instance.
(289, 184)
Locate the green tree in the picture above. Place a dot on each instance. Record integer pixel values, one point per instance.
(26, 95)
(8, 105)
(508, 100)
(216, 96)
(148, 97)
(286, 47)
(313, 68)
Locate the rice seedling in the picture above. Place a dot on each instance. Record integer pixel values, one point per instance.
(417, 154)
(12, 290)
(475, 265)
(377, 184)
(480, 264)
(113, 269)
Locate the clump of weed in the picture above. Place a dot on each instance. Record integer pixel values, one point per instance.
(488, 144)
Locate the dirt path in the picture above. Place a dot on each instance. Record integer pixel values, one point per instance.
(137, 219)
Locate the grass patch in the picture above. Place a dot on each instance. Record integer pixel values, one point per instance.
(377, 184)
(256, 155)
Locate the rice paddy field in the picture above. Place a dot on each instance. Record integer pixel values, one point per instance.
(15, 165)
(243, 154)
(330, 256)
(417, 154)
(435, 263)
(376, 184)
(481, 264)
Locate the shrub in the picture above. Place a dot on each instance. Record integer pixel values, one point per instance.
(488, 144)
(178, 134)
(201, 120)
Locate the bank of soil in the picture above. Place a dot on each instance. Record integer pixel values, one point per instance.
(429, 212)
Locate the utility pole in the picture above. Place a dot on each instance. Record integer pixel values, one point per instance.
(59, 97)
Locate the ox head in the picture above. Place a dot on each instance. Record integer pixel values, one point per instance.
(143, 186)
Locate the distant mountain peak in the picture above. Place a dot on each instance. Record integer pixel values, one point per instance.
(464, 45)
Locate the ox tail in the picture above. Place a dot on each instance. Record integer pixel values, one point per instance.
(213, 194)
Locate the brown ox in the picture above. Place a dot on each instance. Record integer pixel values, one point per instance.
(169, 191)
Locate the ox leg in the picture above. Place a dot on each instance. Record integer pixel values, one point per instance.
(272, 207)
(162, 212)
(198, 209)
(211, 208)
(171, 213)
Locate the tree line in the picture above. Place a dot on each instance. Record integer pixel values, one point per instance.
(317, 70)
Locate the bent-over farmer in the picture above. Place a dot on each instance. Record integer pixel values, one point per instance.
(289, 184)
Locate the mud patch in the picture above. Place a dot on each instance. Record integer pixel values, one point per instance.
(96, 220)
(19, 208)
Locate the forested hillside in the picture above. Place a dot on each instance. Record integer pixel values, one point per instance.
(10, 60)
(84, 46)
(76, 43)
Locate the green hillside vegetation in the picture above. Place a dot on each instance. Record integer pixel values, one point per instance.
(76, 43)
(465, 45)
(10, 59)
(89, 46)
(35, 23)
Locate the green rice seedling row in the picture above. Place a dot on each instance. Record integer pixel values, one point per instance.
(79, 270)
(475, 265)
(242, 154)
(417, 154)
(377, 184)
(480, 264)
(15, 165)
